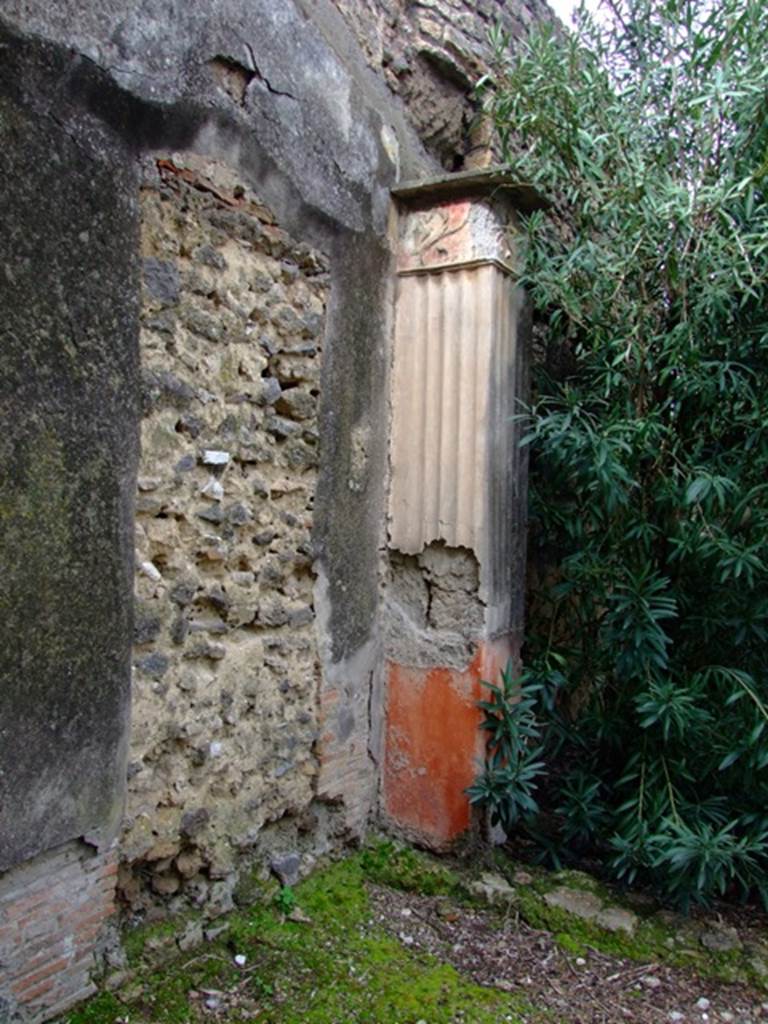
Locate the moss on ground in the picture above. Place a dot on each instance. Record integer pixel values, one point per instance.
(652, 942)
(148, 938)
(340, 968)
(343, 968)
(402, 867)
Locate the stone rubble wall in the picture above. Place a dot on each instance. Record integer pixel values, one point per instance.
(433, 611)
(431, 53)
(226, 670)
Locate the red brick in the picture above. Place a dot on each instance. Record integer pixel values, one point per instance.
(25, 983)
(94, 917)
(84, 961)
(43, 957)
(106, 889)
(27, 904)
(31, 994)
(54, 1009)
(45, 914)
(88, 934)
(24, 949)
(25, 889)
(99, 904)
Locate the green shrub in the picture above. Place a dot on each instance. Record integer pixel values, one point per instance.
(285, 900)
(647, 650)
(513, 765)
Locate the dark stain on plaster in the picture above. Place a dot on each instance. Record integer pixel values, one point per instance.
(354, 395)
(75, 93)
(69, 405)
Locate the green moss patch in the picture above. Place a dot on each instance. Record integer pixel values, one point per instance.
(654, 941)
(149, 939)
(340, 967)
(328, 952)
(401, 867)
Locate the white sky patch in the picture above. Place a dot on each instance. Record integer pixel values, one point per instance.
(562, 9)
(565, 8)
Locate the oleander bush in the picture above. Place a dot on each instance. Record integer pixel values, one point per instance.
(639, 730)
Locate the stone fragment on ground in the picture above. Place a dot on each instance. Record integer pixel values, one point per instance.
(492, 888)
(286, 868)
(191, 937)
(583, 904)
(720, 939)
(590, 907)
(617, 919)
(298, 916)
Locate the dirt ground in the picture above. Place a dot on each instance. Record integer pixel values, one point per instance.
(590, 988)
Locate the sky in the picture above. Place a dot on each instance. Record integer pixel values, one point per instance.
(563, 8)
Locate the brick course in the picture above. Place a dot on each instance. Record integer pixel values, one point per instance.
(52, 912)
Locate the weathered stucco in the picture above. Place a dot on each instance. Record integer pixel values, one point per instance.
(68, 404)
(457, 497)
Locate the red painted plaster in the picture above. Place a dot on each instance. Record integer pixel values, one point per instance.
(433, 744)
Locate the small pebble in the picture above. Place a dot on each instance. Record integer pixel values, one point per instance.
(406, 912)
(702, 1004)
(651, 981)
(214, 458)
(213, 489)
(675, 1015)
(580, 961)
(298, 916)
